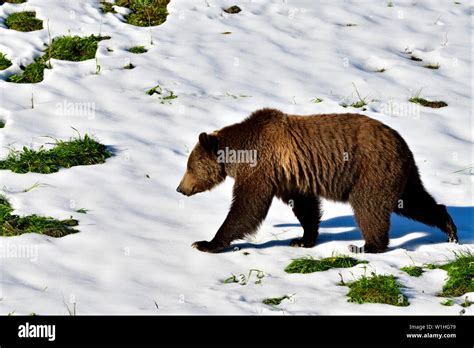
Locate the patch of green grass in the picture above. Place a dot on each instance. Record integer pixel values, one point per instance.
(233, 9)
(157, 89)
(24, 21)
(310, 265)
(168, 98)
(12, 1)
(317, 100)
(129, 66)
(145, 13)
(432, 66)
(377, 289)
(4, 62)
(5, 208)
(2, 124)
(33, 73)
(14, 225)
(137, 49)
(163, 98)
(359, 104)
(427, 103)
(362, 101)
(243, 279)
(74, 48)
(460, 275)
(448, 302)
(107, 7)
(275, 301)
(65, 154)
(413, 271)
(70, 48)
(82, 211)
(237, 96)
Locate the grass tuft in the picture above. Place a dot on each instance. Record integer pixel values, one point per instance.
(163, 98)
(275, 301)
(4, 62)
(129, 66)
(24, 21)
(107, 7)
(137, 49)
(69, 48)
(460, 275)
(432, 66)
(317, 100)
(448, 302)
(65, 154)
(12, 1)
(377, 289)
(74, 48)
(414, 271)
(359, 104)
(310, 265)
(14, 225)
(145, 13)
(233, 9)
(362, 101)
(33, 73)
(427, 103)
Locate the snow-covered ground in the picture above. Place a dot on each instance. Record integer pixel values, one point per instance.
(133, 252)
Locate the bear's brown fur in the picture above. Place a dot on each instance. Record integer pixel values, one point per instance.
(341, 157)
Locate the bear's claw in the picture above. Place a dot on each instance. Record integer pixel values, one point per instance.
(208, 247)
(453, 239)
(299, 242)
(355, 249)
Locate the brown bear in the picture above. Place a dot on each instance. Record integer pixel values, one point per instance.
(341, 157)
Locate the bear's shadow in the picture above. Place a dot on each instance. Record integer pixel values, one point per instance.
(400, 227)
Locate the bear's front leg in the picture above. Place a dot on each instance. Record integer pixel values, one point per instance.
(251, 200)
(307, 209)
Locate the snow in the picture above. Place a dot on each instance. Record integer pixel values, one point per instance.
(133, 254)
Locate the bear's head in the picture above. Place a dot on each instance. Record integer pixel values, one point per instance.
(203, 171)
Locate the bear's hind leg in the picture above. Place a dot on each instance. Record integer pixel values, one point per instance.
(307, 209)
(419, 205)
(374, 223)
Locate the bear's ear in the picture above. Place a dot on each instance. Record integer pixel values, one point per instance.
(209, 142)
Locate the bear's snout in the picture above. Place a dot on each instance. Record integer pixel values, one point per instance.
(180, 189)
(185, 191)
